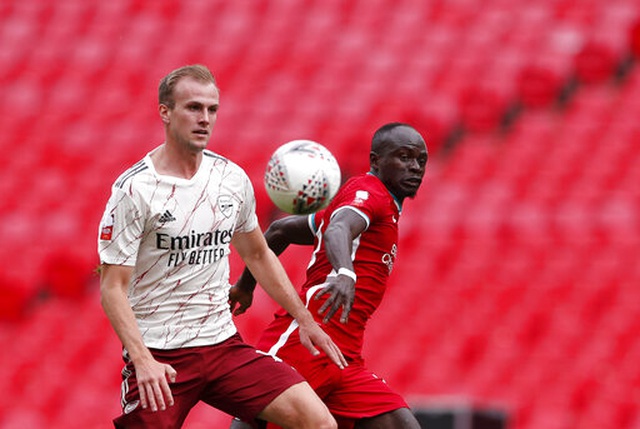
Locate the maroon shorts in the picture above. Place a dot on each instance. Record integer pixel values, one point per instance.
(231, 376)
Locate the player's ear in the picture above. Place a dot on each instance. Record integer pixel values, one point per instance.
(373, 161)
(163, 110)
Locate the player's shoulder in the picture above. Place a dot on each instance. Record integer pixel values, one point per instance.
(131, 174)
(215, 157)
(367, 194)
(365, 183)
(218, 160)
(226, 170)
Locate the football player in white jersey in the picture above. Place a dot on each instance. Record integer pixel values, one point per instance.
(164, 242)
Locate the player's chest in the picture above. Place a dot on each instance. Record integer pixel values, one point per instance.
(175, 209)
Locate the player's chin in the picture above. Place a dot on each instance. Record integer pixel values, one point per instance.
(410, 190)
(199, 144)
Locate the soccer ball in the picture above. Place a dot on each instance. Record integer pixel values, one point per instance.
(302, 177)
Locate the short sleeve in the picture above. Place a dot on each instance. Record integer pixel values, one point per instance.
(247, 218)
(121, 230)
(359, 200)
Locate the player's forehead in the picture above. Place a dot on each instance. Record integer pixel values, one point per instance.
(405, 138)
(189, 89)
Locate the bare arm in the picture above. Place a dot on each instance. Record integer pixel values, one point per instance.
(344, 227)
(280, 234)
(153, 377)
(268, 271)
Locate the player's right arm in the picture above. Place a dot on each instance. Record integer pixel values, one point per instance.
(344, 227)
(269, 272)
(152, 376)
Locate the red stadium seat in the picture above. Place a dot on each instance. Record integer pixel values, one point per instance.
(634, 38)
(594, 63)
(518, 250)
(482, 109)
(538, 86)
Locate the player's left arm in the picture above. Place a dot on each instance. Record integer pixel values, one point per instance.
(280, 234)
(269, 272)
(344, 227)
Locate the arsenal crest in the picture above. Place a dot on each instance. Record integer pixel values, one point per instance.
(225, 205)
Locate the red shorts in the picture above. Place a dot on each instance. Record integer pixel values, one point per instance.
(350, 394)
(231, 376)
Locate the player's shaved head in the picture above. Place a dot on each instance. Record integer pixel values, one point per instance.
(383, 139)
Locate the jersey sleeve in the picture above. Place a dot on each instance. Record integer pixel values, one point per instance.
(358, 199)
(314, 220)
(121, 230)
(247, 218)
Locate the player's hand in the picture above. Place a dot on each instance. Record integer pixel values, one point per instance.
(153, 384)
(239, 300)
(341, 290)
(311, 335)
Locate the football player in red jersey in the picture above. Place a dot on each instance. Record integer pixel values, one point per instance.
(355, 246)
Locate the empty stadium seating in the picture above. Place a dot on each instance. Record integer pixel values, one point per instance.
(517, 278)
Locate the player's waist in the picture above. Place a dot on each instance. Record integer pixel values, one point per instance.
(281, 338)
(179, 336)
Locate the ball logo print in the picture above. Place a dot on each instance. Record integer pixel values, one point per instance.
(302, 177)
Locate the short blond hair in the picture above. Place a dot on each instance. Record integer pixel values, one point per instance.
(168, 83)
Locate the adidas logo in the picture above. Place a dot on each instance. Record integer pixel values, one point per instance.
(166, 217)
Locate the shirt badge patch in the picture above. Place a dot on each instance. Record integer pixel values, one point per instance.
(225, 205)
(106, 227)
(361, 197)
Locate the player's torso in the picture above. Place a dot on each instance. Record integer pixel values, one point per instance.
(373, 256)
(189, 223)
(180, 286)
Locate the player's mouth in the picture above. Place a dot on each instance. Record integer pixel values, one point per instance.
(414, 182)
(204, 133)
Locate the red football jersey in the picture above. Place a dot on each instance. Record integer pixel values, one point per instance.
(374, 254)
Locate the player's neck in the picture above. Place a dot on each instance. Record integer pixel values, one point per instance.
(168, 160)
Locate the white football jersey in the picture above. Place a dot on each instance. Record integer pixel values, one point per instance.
(176, 233)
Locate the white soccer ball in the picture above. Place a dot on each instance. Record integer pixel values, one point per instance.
(302, 177)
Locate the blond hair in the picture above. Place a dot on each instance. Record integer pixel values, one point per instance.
(168, 83)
